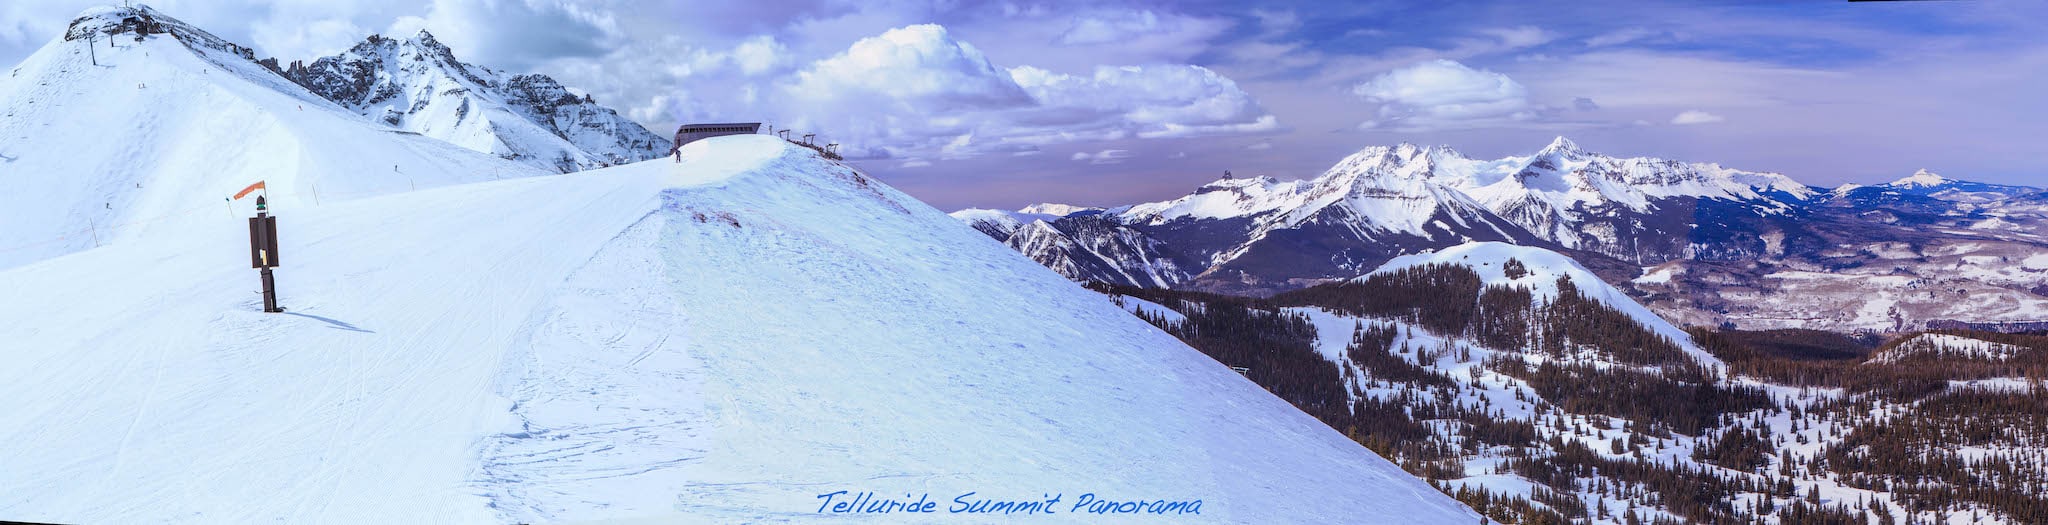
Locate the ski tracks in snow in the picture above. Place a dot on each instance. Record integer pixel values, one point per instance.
(603, 393)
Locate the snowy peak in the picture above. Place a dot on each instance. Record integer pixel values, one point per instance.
(1920, 179)
(417, 84)
(1231, 198)
(1562, 147)
(1055, 209)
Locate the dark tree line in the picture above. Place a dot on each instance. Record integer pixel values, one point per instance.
(1809, 360)
(1682, 405)
(1452, 300)
(1277, 348)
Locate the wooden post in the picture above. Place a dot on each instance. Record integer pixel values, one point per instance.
(263, 252)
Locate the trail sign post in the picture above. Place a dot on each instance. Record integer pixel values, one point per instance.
(263, 251)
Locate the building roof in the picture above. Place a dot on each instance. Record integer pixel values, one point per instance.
(722, 125)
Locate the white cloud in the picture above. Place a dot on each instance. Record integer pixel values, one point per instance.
(1122, 26)
(1520, 36)
(1108, 156)
(918, 92)
(1110, 27)
(920, 64)
(1619, 36)
(760, 54)
(1260, 146)
(1073, 38)
(1694, 116)
(1442, 94)
(1276, 23)
(1145, 101)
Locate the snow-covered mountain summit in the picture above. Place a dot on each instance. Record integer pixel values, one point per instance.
(1920, 179)
(1924, 183)
(134, 121)
(1376, 203)
(1569, 196)
(418, 85)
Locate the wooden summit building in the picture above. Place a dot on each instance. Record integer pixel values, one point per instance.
(695, 132)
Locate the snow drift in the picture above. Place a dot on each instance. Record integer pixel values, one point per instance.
(725, 339)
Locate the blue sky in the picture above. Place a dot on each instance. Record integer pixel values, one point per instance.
(1001, 104)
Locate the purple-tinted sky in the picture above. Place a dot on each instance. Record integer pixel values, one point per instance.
(1002, 104)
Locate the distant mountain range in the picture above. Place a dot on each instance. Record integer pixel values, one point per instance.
(1751, 249)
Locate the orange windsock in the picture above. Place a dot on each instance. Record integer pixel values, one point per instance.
(245, 191)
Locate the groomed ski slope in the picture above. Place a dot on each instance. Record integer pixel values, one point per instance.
(716, 341)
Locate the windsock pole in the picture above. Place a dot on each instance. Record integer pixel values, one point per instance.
(263, 245)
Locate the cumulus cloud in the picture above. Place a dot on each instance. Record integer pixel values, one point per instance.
(1443, 94)
(910, 90)
(918, 92)
(760, 54)
(920, 65)
(1694, 116)
(1145, 101)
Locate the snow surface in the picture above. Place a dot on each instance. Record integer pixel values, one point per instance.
(159, 134)
(721, 340)
(2038, 261)
(1055, 209)
(1002, 221)
(1136, 305)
